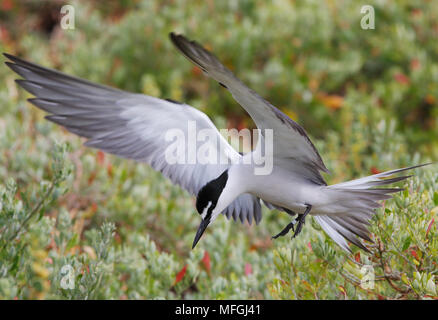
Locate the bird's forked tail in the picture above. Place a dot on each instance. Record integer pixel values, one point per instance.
(356, 201)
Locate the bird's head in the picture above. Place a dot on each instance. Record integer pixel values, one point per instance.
(207, 203)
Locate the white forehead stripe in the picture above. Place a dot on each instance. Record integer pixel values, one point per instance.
(204, 212)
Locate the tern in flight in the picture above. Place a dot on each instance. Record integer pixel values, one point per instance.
(134, 126)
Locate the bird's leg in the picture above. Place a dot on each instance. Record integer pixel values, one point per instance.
(301, 220)
(288, 227)
(285, 230)
(289, 212)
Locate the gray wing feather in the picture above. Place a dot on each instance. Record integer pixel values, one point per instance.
(128, 125)
(290, 139)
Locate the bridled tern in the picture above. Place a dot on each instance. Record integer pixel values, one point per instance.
(134, 126)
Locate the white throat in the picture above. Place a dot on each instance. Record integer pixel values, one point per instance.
(234, 187)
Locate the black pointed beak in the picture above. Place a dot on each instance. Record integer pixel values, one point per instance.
(204, 224)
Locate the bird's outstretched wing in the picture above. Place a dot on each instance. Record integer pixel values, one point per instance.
(292, 147)
(132, 126)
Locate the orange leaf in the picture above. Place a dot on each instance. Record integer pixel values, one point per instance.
(313, 84)
(307, 285)
(414, 254)
(374, 170)
(7, 5)
(196, 71)
(416, 12)
(91, 177)
(415, 64)
(109, 170)
(332, 102)
(206, 261)
(357, 257)
(100, 157)
(180, 275)
(430, 99)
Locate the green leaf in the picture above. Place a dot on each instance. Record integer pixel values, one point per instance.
(72, 242)
(435, 198)
(406, 243)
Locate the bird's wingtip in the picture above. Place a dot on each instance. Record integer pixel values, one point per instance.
(10, 64)
(428, 163)
(8, 55)
(11, 59)
(177, 37)
(173, 35)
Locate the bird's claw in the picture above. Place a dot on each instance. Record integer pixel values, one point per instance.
(301, 220)
(285, 230)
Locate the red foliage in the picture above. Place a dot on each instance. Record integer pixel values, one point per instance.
(248, 269)
(180, 275)
(374, 170)
(100, 157)
(196, 71)
(91, 177)
(206, 261)
(109, 170)
(4, 34)
(7, 5)
(401, 78)
(414, 254)
(343, 291)
(357, 257)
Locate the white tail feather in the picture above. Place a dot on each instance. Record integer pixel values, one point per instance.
(355, 205)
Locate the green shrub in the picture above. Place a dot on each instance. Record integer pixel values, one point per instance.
(119, 230)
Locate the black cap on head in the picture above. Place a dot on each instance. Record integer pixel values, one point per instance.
(208, 197)
(211, 193)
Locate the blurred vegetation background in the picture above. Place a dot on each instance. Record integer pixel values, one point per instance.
(368, 98)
